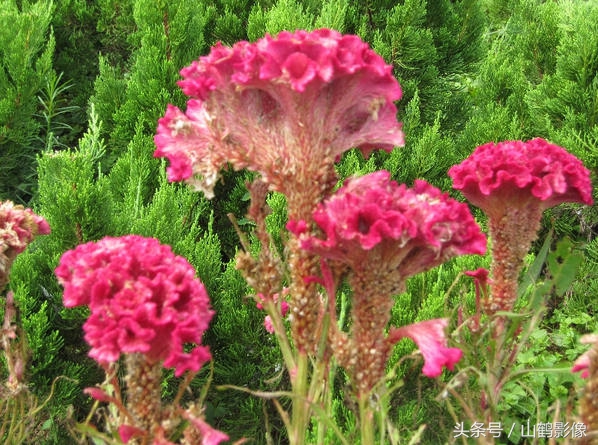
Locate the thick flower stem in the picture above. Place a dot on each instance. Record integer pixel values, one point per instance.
(143, 381)
(371, 311)
(512, 236)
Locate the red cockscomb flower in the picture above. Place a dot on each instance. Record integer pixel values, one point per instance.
(142, 298)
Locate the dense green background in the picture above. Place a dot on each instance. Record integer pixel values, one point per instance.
(83, 83)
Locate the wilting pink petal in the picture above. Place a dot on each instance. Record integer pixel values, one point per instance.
(209, 435)
(98, 394)
(583, 361)
(582, 364)
(431, 340)
(142, 298)
(127, 432)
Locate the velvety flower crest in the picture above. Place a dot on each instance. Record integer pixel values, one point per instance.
(143, 299)
(372, 212)
(431, 340)
(279, 105)
(512, 172)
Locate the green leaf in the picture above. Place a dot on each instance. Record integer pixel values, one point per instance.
(563, 265)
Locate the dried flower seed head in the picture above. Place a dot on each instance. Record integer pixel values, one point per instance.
(283, 106)
(143, 299)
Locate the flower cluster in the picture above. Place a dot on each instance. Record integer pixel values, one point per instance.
(411, 229)
(18, 227)
(143, 299)
(498, 176)
(279, 105)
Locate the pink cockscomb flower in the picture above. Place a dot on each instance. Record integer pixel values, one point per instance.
(142, 298)
(284, 106)
(431, 340)
(513, 182)
(409, 230)
(497, 177)
(382, 233)
(18, 227)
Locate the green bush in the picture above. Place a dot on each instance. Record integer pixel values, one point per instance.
(84, 83)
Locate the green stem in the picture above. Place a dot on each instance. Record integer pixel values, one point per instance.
(273, 310)
(301, 412)
(366, 421)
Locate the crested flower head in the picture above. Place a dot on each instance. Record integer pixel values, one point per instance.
(431, 340)
(142, 298)
(498, 176)
(411, 229)
(280, 106)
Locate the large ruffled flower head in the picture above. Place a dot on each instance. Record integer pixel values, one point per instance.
(284, 106)
(509, 174)
(142, 298)
(410, 229)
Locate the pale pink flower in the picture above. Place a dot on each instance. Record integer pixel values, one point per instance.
(142, 298)
(284, 106)
(268, 325)
(18, 227)
(284, 307)
(498, 177)
(431, 340)
(410, 229)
